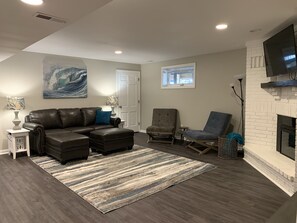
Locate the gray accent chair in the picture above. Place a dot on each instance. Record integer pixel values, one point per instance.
(163, 125)
(216, 126)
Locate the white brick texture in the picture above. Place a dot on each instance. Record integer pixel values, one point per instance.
(263, 105)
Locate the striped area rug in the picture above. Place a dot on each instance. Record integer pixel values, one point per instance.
(110, 182)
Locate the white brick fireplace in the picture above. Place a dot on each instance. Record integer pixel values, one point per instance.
(262, 108)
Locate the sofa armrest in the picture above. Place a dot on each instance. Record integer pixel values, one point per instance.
(115, 121)
(37, 137)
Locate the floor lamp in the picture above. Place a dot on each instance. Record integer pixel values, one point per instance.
(240, 78)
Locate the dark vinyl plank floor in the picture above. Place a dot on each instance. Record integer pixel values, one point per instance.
(233, 192)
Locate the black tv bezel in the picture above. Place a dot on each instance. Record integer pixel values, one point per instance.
(266, 56)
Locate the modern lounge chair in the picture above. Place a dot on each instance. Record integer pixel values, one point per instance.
(163, 126)
(216, 126)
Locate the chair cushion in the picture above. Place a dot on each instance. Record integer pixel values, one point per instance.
(164, 117)
(89, 115)
(103, 117)
(160, 129)
(70, 117)
(49, 118)
(217, 123)
(199, 135)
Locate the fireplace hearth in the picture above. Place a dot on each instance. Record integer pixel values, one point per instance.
(286, 134)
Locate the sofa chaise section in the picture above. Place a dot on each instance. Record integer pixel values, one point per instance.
(66, 147)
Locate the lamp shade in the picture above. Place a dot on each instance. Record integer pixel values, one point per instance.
(15, 103)
(112, 100)
(239, 76)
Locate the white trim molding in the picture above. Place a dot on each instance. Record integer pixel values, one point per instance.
(3, 152)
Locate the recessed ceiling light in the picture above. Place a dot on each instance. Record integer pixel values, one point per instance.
(33, 2)
(118, 52)
(221, 26)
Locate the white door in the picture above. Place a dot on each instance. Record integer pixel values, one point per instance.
(128, 90)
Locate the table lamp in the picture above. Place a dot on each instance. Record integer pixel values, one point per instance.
(16, 104)
(112, 101)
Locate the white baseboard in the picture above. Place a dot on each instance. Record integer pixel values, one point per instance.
(3, 152)
(142, 131)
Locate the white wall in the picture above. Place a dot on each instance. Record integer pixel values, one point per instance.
(262, 108)
(214, 73)
(22, 75)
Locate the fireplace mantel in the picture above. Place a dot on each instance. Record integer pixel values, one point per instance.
(278, 84)
(275, 87)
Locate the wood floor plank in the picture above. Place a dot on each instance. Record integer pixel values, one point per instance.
(233, 192)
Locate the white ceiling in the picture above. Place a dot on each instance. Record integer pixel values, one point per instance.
(19, 28)
(157, 30)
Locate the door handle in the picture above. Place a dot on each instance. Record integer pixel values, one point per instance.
(120, 106)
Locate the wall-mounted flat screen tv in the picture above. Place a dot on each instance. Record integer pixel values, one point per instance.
(280, 53)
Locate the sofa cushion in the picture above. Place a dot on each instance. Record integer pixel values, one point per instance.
(55, 131)
(103, 117)
(81, 130)
(49, 118)
(96, 127)
(70, 117)
(89, 115)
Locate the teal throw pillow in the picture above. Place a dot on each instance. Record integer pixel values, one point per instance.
(103, 117)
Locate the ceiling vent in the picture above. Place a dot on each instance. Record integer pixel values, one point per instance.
(44, 16)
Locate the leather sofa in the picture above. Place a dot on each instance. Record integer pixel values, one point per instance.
(43, 123)
(106, 141)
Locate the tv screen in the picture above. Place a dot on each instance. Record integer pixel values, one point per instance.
(280, 53)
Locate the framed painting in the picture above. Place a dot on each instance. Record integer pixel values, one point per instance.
(64, 81)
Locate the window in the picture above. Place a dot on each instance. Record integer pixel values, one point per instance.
(178, 76)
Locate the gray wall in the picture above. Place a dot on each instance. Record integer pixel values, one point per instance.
(214, 73)
(22, 75)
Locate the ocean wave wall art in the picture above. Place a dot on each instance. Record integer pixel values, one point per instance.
(64, 82)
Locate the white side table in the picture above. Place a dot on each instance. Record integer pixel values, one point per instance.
(18, 141)
(122, 124)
